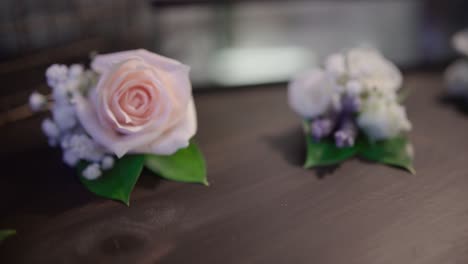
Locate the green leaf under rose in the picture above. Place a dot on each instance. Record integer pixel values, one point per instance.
(118, 182)
(186, 165)
(395, 151)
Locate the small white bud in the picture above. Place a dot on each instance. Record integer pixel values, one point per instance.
(56, 73)
(60, 93)
(37, 101)
(107, 163)
(84, 147)
(92, 172)
(65, 141)
(64, 116)
(70, 158)
(75, 70)
(50, 129)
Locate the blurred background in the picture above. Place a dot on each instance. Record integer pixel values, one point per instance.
(227, 43)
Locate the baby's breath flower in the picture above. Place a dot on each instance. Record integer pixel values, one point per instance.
(107, 163)
(70, 158)
(92, 171)
(60, 93)
(50, 129)
(56, 73)
(85, 148)
(75, 71)
(37, 101)
(64, 116)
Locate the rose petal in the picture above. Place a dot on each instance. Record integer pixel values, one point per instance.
(106, 136)
(102, 63)
(177, 137)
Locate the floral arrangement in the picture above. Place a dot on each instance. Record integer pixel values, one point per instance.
(351, 107)
(456, 75)
(132, 109)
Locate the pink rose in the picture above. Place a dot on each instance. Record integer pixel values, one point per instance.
(142, 104)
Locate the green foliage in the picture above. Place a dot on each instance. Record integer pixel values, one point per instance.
(118, 182)
(186, 165)
(394, 151)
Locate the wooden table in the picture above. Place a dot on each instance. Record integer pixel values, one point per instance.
(261, 207)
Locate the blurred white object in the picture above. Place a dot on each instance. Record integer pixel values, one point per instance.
(37, 101)
(64, 116)
(107, 163)
(310, 94)
(249, 66)
(369, 67)
(56, 74)
(359, 83)
(381, 118)
(92, 172)
(460, 42)
(50, 129)
(456, 78)
(221, 43)
(70, 158)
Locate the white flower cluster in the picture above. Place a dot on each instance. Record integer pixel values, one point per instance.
(358, 89)
(63, 128)
(382, 117)
(456, 75)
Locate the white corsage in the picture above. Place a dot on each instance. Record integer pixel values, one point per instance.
(351, 107)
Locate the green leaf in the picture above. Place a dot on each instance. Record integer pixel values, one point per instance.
(5, 233)
(325, 152)
(395, 151)
(186, 165)
(118, 182)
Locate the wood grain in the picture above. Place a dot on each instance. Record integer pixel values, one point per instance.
(261, 207)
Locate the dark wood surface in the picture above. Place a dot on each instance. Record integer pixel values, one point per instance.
(261, 207)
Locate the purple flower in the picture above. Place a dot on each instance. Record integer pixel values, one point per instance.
(346, 135)
(350, 103)
(321, 128)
